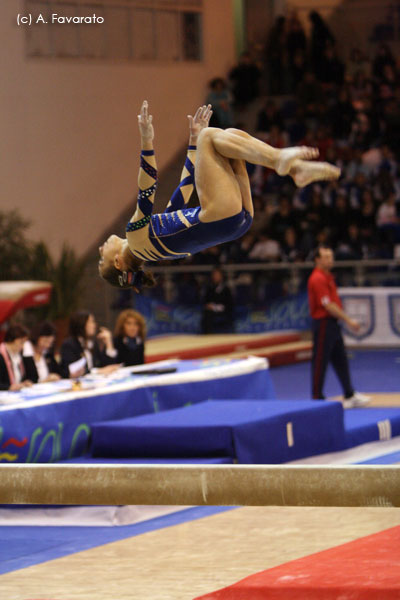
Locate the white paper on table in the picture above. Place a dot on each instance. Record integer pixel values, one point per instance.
(77, 366)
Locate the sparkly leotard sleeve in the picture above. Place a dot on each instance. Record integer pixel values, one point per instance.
(178, 232)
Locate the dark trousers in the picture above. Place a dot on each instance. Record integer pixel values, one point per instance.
(328, 347)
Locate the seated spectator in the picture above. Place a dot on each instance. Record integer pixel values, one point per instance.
(217, 306)
(265, 248)
(298, 67)
(360, 90)
(332, 68)
(283, 218)
(388, 213)
(291, 251)
(342, 115)
(341, 214)
(129, 337)
(13, 376)
(358, 61)
(310, 95)
(38, 354)
(220, 99)
(366, 223)
(268, 116)
(383, 57)
(350, 245)
(97, 350)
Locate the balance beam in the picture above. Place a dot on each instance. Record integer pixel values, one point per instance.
(222, 485)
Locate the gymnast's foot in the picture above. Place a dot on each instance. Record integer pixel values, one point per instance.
(304, 172)
(288, 155)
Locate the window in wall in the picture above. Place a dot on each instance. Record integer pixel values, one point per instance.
(115, 29)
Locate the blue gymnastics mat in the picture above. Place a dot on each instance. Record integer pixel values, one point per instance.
(371, 424)
(249, 431)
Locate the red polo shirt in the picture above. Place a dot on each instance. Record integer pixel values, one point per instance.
(321, 291)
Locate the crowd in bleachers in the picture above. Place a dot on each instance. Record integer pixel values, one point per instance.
(350, 111)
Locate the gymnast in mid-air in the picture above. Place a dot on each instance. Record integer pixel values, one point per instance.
(215, 164)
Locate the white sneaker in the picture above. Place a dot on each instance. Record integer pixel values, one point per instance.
(357, 400)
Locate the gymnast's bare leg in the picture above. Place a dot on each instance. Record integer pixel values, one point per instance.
(221, 179)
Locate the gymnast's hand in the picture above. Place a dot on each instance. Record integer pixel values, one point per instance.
(200, 120)
(145, 122)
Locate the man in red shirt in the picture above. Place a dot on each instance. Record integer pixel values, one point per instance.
(328, 347)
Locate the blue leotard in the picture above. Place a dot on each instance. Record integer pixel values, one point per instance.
(178, 231)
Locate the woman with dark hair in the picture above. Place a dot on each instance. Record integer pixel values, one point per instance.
(13, 376)
(129, 337)
(38, 354)
(216, 163)
(97, 350)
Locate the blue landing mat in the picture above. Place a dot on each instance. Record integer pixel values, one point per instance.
(370, 424)
(250, 431)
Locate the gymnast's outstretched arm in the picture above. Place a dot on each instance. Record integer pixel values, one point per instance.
(183, 192)
(147, 177)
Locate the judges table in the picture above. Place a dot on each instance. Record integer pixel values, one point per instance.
(52, 421)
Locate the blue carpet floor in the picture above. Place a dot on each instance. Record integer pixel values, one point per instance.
(377, 371)
(371, 371)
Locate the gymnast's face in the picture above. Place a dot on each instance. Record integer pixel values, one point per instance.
(110, 252)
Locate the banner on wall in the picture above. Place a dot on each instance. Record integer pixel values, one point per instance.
(290, 312)
(378, 311)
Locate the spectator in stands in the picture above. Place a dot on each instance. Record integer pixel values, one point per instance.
(276, 58)
(361, 136)
(358, 61)
(391, 126)
(217, 306)
(39, 361)
(130, 337)
(269, 116)
(318, 215)
(387, 216)
(360, 90)
(367, 216)
(220, 99)
(97, 349)
(342, 115)
(290, 248)
(265, 248)
(321, 36)
(350, 244)
(310, 96)
(298, 68)
(332, 69)
(295, 35)
(296, 44)
(341, 214)
(383, 58)
(245, 80)
(283, 218)
(13, 376)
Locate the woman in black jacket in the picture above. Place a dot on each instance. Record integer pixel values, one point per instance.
(129, 337)
(97, 349)
(13, 374)
(38, 354)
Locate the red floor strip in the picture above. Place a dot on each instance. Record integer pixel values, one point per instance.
(366, 569)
